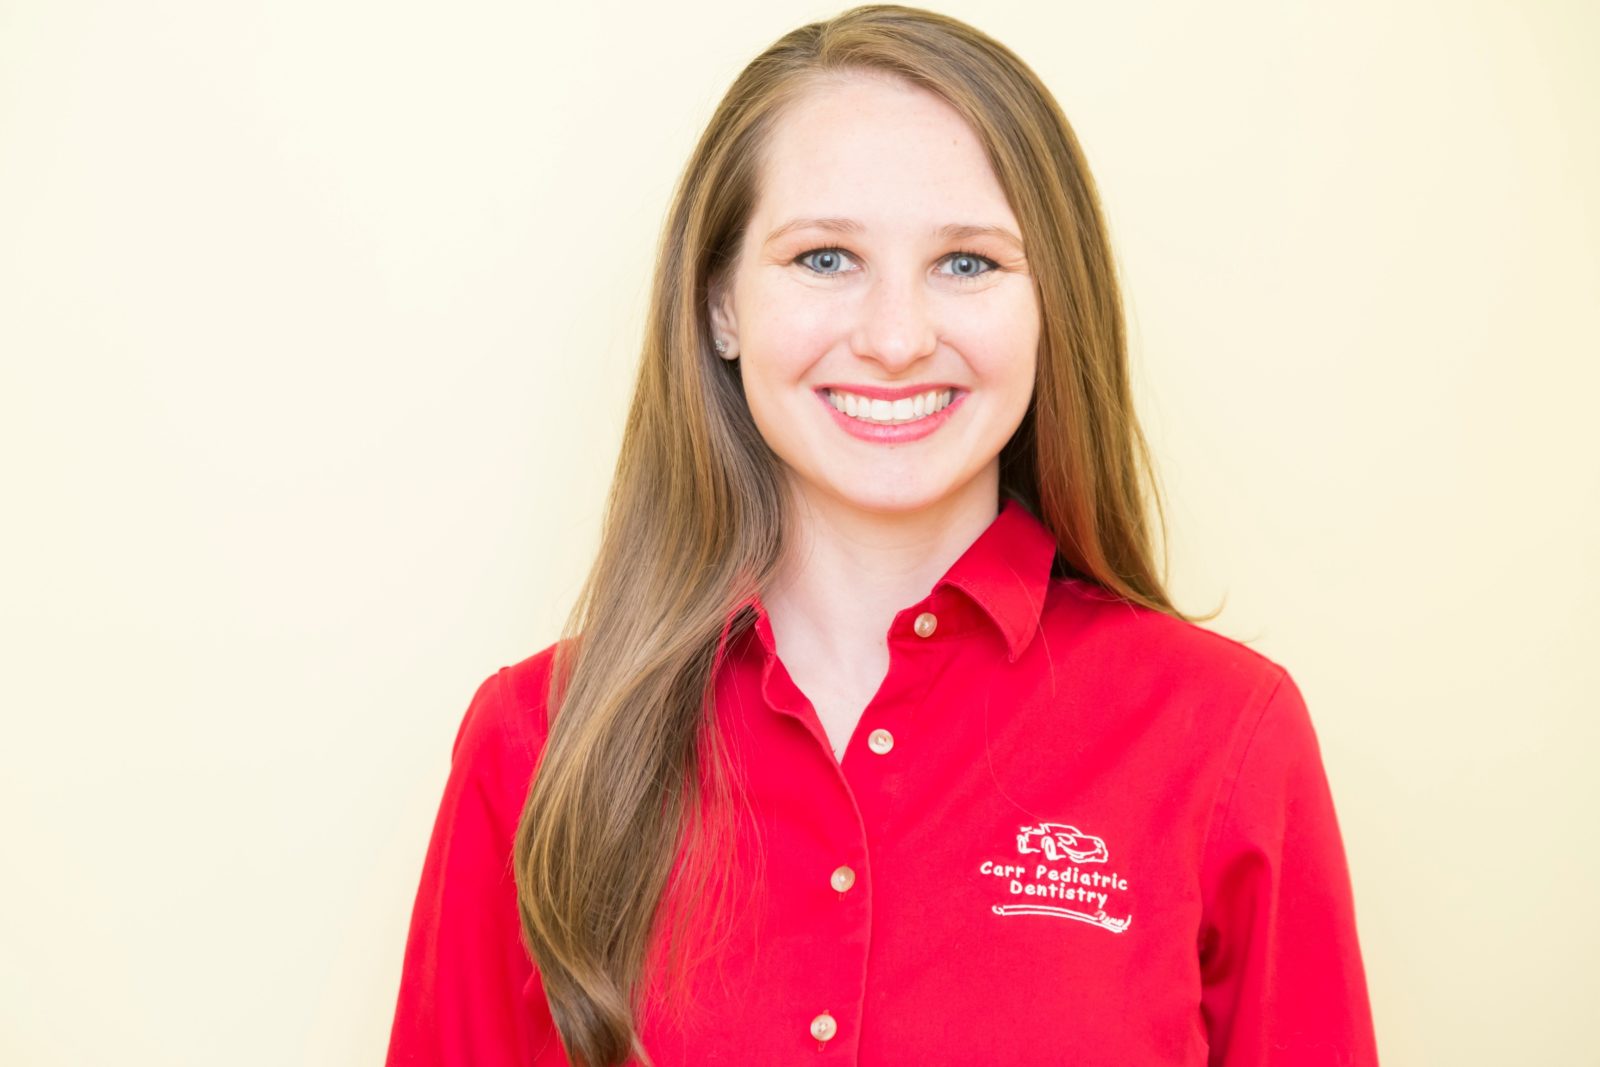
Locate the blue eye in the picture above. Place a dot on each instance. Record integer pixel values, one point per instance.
(831, 255)
(971, 264)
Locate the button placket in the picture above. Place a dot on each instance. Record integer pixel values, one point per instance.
(880, 740)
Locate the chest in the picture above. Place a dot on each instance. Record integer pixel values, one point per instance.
(1013, 876)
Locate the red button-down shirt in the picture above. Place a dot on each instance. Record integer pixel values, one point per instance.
(1066, 830)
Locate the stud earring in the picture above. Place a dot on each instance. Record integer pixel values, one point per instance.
(722, 347)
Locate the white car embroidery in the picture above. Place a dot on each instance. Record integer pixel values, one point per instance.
(1060, 841)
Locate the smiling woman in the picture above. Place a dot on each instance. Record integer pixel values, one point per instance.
(876, 592)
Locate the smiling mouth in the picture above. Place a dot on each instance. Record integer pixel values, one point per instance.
(889, 412)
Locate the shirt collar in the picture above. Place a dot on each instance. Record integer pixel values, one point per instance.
(1006, 572)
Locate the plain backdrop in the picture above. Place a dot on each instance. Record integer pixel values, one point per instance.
(318, 323)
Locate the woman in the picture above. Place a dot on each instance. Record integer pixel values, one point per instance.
(874, 737)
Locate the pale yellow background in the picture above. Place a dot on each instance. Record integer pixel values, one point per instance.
(318, 321)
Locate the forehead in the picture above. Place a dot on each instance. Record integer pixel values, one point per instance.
(880, 150)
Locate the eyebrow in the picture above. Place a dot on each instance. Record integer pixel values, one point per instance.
(955, 231)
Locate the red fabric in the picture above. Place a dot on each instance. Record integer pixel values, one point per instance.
(1102, 836)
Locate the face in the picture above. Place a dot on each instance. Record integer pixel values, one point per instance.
(882, 272)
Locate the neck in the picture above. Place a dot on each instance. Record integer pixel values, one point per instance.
(846, 571)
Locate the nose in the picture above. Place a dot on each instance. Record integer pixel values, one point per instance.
(895, 327)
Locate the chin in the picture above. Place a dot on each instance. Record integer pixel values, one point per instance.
(890, 498)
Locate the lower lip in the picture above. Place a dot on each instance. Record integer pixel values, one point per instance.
(892, 433)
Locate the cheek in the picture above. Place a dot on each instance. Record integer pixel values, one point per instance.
(1016, 351)
(1017, 320)
(790, 327)
(1001, 346)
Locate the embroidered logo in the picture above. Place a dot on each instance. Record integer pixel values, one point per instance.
(1060, 865)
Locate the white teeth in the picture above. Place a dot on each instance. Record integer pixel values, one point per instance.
(906, 409)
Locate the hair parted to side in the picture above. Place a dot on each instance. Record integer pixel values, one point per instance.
(632, 803)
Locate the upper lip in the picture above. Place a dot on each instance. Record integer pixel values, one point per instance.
(884, 392)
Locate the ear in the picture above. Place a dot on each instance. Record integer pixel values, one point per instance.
(724, 326)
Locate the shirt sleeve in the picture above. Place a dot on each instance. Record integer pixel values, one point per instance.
(469, 994)
(1281, 970)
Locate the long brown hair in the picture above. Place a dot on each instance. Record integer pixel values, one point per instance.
(631, 772)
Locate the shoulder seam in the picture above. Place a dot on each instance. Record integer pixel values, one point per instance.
(508, 695)
(525, 722)
(1236, 765)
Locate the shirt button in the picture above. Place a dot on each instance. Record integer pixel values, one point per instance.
(880, 741)
(925, 624)
(843, 878)
(823, 1027)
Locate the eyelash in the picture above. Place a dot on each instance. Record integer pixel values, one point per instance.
(993, 266)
